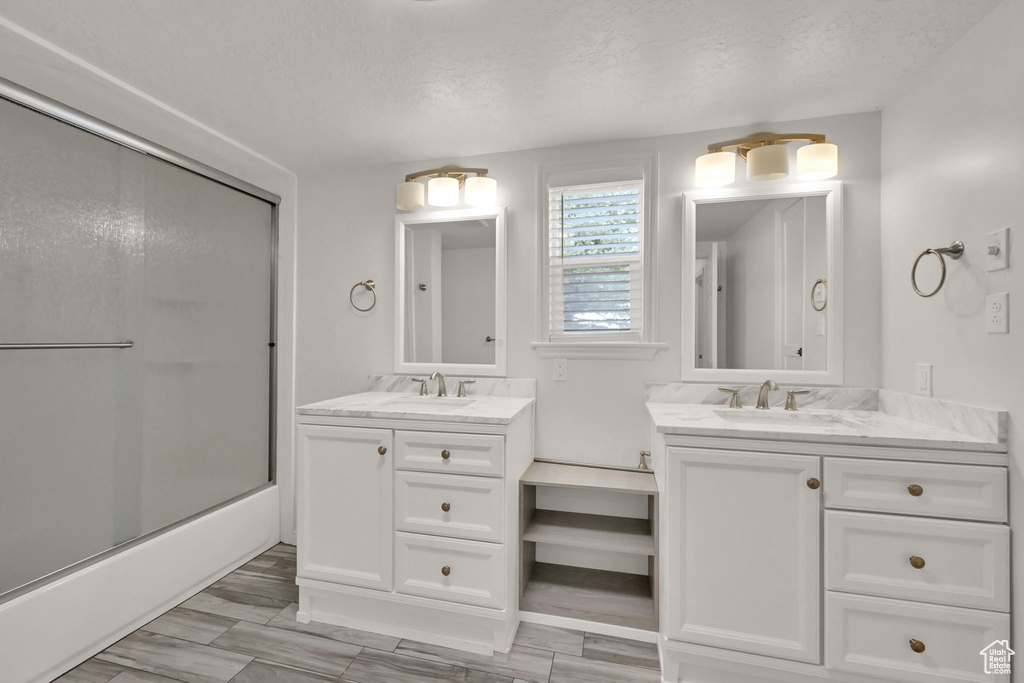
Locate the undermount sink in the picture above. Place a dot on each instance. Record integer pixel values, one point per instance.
(431, 402)
(784, 419)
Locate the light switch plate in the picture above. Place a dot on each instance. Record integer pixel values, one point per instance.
(997, 313)
(999, 242)
(923, 379)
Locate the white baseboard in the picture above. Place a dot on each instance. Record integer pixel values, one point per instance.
(54, 628)
(589, 626)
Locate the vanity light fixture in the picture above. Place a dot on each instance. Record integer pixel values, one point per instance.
(443, 188)
(767, 158)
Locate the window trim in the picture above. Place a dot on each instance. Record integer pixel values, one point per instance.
(609, 346)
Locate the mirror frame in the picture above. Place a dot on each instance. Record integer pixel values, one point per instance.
(833, 374)
(402, 221)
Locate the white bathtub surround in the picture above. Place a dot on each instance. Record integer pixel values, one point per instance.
(482, 386)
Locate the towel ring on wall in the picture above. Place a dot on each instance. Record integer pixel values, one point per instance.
(954, 250)
(368, 284)
(814, 288)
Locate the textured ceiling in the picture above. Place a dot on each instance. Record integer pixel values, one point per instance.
(324, 83)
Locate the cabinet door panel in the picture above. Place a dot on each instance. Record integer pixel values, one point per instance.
(743, 552)
(344, 506)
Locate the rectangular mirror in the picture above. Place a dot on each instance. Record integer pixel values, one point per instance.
(762, 284)
(450, 309)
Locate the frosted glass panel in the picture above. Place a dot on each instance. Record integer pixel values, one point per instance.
(99, 243)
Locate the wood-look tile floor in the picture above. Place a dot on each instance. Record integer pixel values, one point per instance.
(242, 629)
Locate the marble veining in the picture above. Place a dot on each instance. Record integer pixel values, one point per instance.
(831, 398)
(482, 386)
(399, 406)
(984, 423)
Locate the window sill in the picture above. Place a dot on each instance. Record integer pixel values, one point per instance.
(598, 350)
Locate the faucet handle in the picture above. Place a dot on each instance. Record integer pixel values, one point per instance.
(791, 397)
(734, 400)
(423, 384)
(462, 387)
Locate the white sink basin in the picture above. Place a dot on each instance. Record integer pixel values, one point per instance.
(786, 420)
(414, 403)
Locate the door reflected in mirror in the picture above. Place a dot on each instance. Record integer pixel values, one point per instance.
(451, 292)
(762, 280)
(756, 263)
(449, 305)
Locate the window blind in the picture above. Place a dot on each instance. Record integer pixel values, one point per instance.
(595, 238)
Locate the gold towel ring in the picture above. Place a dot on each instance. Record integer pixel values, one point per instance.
(954, 250)
(814, 304)
(368, 284)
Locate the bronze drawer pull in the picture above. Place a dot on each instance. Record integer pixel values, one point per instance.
(382, 450)
(813, 483)
(915, 490)
(917, 646)
(445, 571)
(445, 454)
(917, 562)
(445, 507)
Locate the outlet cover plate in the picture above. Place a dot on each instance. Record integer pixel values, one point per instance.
(559, 371)
(923, 379)
(997, 313)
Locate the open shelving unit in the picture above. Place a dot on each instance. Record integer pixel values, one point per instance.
(607, 597)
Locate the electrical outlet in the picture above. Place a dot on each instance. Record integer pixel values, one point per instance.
(924, 379)
(997, 246)
(997, 313)
(559, 372)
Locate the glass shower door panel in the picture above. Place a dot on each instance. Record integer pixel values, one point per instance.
(207, 329)
(71, 227)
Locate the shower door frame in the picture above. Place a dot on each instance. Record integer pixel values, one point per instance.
(46, 106)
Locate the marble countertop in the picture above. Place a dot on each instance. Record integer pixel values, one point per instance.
(405, 406)
(854, 427)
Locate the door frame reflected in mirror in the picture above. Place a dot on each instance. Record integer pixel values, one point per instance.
(403, 221)
(833, 373)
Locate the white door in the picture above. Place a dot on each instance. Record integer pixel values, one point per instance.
(790, 279)
(345, 505)
(742, 540)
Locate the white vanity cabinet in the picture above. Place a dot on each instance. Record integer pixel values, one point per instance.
(798, 562)
(743, 551)
(404, 526)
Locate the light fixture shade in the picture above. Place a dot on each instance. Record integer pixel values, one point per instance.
(443, 191)
(817, 161)
(481, 191)
(768, 162)
(715, 169)
(410, 196)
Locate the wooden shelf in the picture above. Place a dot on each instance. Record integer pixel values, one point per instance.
(599, 532)
(590, 594)
(596, 478)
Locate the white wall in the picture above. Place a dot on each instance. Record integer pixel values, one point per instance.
(952, 168)
(751, 282)
(598, 414)
(467, 305)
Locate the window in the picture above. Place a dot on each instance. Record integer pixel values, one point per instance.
(595, 262)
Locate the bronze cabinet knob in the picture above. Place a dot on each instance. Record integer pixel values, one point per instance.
(813, 483)
(917, 562)
(917, 646)
(382, 450)
(915, 490)
(445, 571)
(445, 454)
(445, 507)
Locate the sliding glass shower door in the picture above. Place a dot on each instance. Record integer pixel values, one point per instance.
(135, 344)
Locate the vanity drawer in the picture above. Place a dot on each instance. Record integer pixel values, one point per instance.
(474, 505)
(961, 491)
(871, 636)
(475, 570)
(966, 564)
(480, 454)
